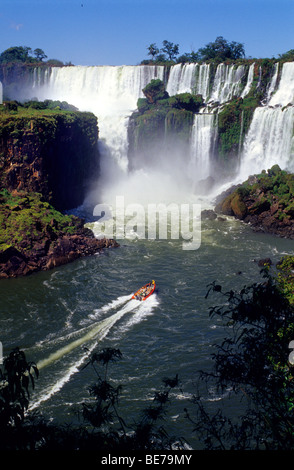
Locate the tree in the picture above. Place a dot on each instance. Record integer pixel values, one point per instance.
(103, 412)
(153, 50)
(171, 49)
(287, 55)
(221, 49)
(102, 427)
(15, 54)
(253, 363)
(40, 54)
(15, 379)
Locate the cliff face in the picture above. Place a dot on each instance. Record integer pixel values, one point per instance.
(47, 158)
(51, 152)
(161, 126)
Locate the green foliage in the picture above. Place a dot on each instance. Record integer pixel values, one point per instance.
(187, 101)
(26, 216)
(26, 56)
(219, 51)
(222, 50)
(178, 124)
(16, 378)
(49, 104)
(171, 49)
(40, 54)
(167, 54)
(153, 50)
(155, 90)
(252, 362)
(233, 123)
(102, 426)
(287, 56)
(286, 277)
(162, 123)
(16, 54)
(272, 189)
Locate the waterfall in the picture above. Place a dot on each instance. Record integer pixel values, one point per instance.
(1, 93)
(195, 78)
(110, 92)
(181, 79)
(227, 82)
(249, 81)
(273, 83)
(189, 78)
(270, 139)
(203, 137)
(285, 92)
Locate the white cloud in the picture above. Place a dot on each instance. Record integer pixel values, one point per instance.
(15, 26)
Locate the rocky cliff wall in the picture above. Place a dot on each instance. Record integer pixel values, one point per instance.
(48, 160)
(51, 152)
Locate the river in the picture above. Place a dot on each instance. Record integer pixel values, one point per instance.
(53, 316)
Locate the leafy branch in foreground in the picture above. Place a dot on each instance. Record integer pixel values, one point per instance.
(102, 426)
(102, 412)
(251, 362)
(16, 377)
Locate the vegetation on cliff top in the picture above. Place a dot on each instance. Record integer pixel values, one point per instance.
(219, 50)
(25, 55)
(25, 218)
(162, 122)
(16, 117)
(48, 147)
(48, 156)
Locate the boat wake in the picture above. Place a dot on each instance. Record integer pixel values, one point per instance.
(89, 336)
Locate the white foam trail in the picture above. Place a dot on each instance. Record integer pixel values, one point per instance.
(102, 326)
(98, 332)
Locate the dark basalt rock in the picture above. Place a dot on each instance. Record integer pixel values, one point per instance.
(264, 201)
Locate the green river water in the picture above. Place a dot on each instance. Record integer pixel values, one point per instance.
(53, 316)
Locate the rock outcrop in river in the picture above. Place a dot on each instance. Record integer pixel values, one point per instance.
(265, 201)
(35, 237)
(47, 160)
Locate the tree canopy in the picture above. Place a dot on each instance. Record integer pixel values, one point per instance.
(253, 364)
(219, 50)
(168, 52)
(23, 55)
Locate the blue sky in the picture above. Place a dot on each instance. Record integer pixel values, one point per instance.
(117, 32)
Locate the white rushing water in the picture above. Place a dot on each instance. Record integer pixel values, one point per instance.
(285, 92)
(1, 93)
(203, 138)
(227, 82)
(270, 139)
(111, 92)
(189, 78)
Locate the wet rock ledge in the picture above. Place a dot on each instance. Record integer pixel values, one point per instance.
(36, 237)
(265, 201)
